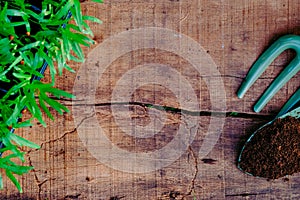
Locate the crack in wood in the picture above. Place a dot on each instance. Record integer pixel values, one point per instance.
(232, 114)
(169, 109)
(64, 134)
(192, 183)
(243, 115)
(36, 179)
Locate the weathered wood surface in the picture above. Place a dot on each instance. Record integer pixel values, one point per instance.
(234, 34)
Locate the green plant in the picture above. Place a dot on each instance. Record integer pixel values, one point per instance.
(31, 33)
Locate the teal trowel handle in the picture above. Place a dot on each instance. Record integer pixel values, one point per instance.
(290, 103)
(282, 44)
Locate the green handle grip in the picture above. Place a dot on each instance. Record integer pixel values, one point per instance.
(278, 83)
(282, 44)
(295, 98)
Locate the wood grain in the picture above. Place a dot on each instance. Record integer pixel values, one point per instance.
(234, 33)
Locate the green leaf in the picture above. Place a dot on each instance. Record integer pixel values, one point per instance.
(17, 60)
(63, 11)
(18, 23)
(4, 42)
(22, 76)
(92, 19)
(4, 9)
(16, 153)
(43, 87)
(46, 34)
(98, 1)
(1, 182)
(55, 44)
(7, 158)
(67, 67)
(50, 63)
(33, 72)
(23, 124)
(34, 15)
(15, 89)
(33, 107)
(78, 14)
(44, 107)
(59, 93)
(30, 46)
(38, 62)
(72, 26)
(4, 79)
(87, 30)
(78, 51)
(14, 168)
(54, 104)
(64, 54)
(17, 110)
(79, 38)
(14, 12)
(27, 57)
(23, 142)
(14, 180)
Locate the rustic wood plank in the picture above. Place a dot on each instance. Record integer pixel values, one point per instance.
(234, 33)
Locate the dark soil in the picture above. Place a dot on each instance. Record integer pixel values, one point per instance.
(274, 151)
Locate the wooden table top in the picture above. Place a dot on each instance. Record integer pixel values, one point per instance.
(167, 72)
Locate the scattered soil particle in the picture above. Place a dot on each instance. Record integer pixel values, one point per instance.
(274, 151)
(286, 179)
